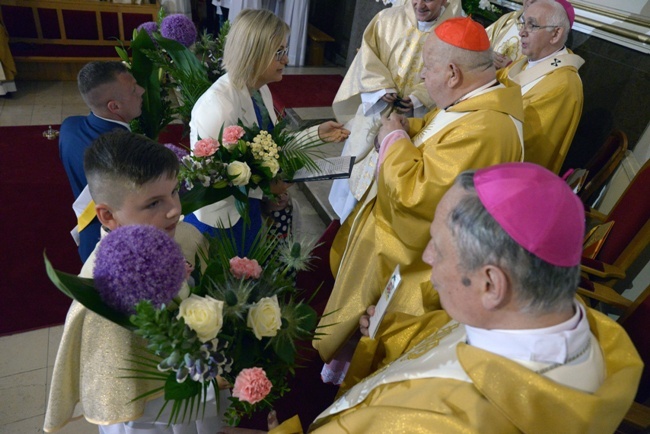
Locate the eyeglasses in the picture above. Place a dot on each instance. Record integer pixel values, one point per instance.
(281, 53)
(531, 28)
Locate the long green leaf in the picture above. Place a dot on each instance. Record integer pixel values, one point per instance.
(83, 290)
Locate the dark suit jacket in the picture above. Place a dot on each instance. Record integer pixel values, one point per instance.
(76, 134)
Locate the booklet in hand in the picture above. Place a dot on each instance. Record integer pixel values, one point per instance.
(384, 300)
(328, 168)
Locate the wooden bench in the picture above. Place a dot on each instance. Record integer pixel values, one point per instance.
(53, 39)
(316, 48)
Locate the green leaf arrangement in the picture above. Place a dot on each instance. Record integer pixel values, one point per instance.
(185, 365)
(173, 76)
(482, 8)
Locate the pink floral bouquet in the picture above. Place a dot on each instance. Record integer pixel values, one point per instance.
(241, 322)
(242, 159)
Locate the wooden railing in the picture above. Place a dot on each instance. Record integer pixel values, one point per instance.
(68, 32)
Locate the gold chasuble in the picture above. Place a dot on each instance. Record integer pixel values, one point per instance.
(437, 383)
(390, 57)
(89, 373)
(393, 227)
(504, 35)
(553, 100)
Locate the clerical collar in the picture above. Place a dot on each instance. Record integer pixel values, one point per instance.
(562, 50)
(425, 26)
(124, 124)
(473, 93)
(556, 344)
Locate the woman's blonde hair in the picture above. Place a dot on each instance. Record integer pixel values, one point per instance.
(251, 44)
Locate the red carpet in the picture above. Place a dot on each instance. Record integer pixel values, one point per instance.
(305, 91)
(36, 215)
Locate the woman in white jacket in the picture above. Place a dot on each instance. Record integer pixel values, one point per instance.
(255, 55)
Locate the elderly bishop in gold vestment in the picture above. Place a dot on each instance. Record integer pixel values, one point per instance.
(478, 124)
(550, 85)
(521, 354)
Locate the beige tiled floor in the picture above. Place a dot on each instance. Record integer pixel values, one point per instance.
(26, 359)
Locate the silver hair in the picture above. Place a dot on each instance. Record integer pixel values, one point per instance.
(558, 17)
(540, 286)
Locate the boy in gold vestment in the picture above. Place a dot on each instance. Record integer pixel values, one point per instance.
(132, 180)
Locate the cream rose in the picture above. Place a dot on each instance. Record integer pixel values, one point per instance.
(264, 317)
(240, 171)
(273, 166)
(204, 315)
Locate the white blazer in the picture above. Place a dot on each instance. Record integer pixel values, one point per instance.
(223, 104)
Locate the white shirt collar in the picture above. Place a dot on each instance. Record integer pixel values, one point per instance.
(562, 50)
(124, 124)
(549, 345)
(425, 26)
(473, 93)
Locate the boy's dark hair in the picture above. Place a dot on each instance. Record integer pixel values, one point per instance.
(126, 160)
(94, 74)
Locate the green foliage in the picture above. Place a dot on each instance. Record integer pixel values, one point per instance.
(483, 9)
(210, 51)
(173, 76)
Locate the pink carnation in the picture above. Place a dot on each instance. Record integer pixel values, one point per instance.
(232, 134)
(244, 268)
(251, 385)
(206, 147)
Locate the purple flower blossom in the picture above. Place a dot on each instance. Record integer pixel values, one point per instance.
(136, 263)
(179, 28)
(179, 151)
(149, 27)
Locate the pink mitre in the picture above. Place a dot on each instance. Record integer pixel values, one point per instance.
(536, 208)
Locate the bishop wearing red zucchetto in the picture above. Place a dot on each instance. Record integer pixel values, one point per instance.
(477, 123)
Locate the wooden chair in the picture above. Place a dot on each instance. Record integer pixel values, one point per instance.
(636, 321)
(630, 234)
(603, 164)
(628, 238)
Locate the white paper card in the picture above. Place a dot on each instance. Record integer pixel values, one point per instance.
(384, 300)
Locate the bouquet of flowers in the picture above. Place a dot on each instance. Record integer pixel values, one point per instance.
(241, 159)
(239, 325)
(166, 59)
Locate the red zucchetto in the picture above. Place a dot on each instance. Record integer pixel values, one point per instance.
(463, 33)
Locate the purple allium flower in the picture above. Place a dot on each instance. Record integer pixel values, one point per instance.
(149, 27)
(179, 28)
(136, 263)
(180, 152)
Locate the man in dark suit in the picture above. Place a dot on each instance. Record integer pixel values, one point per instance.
(114, 99)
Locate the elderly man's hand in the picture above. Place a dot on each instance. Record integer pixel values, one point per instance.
(389, 98)
(405, 105)
(501, 61)
(391, 123)
(331, 131)
(364, 321)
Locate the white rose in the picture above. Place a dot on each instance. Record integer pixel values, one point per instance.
(264, 317)
(240, 171)
(273, 166)
(203, 315)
